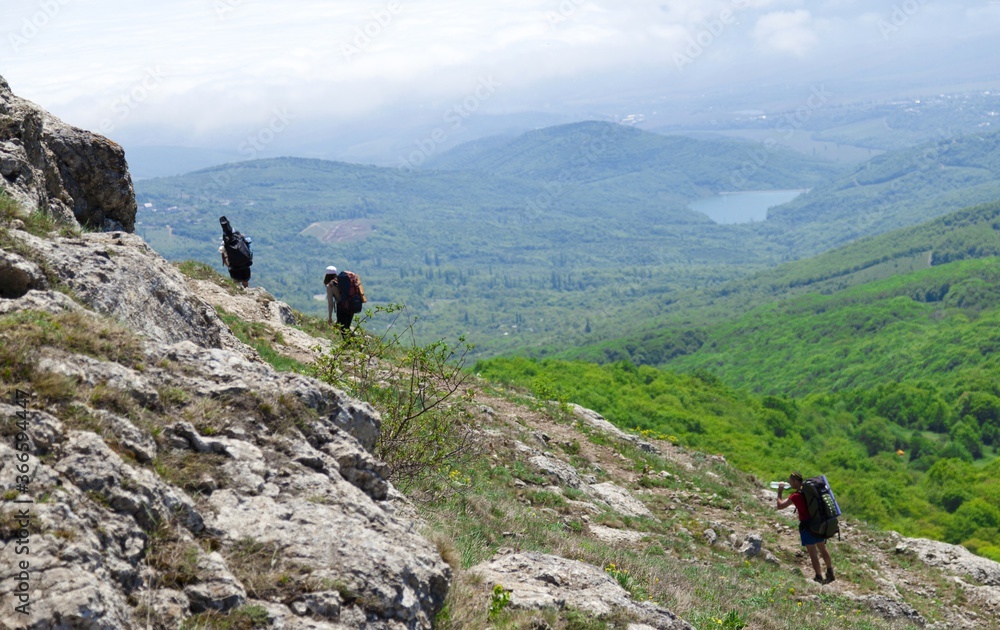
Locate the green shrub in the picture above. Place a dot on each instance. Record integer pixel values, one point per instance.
(420, 392)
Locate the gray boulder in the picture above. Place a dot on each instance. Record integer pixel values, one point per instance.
(119, 275)
(76, 175)
(537, 581)
(18, 276)
(953, 558)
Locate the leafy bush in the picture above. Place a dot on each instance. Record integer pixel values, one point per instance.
(415, 388)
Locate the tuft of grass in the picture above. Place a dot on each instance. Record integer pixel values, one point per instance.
(186, 469)
(115, 400)
(246, 617)
(201, 271)
(265, 572)
(261, 338)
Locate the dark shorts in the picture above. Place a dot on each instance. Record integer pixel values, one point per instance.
(808, 538)
(344, 314)
(240, 275)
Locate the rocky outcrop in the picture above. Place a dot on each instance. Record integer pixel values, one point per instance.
(207, 477)
(76, 175)
(536, 581)
(979, 577)
(596, 421)
(953, 558)
(119, 275)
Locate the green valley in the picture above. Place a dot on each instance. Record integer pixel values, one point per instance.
(560, 237)
(875, 364)
(508, 259)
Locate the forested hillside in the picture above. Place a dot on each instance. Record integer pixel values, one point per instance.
(876, 364)
(680, 325)
(890, 191)
(564, 236)
(507, 259)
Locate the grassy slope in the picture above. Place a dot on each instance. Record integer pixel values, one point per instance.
(491, 498)
(906, 361)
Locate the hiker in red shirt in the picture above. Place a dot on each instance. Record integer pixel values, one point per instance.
(815, 545)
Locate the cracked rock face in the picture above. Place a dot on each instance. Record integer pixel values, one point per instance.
(954, 558)
(77, 175)
(118, 275)
(149, 513)
(537, 581)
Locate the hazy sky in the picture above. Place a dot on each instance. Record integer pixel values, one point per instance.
(183, 71)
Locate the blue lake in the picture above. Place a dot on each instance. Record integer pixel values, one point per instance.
(743, 207)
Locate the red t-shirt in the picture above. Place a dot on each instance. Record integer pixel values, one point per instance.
(799, 502)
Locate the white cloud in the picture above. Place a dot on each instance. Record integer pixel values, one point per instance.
(787, 31)
(228, 63)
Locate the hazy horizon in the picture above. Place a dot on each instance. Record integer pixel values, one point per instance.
(371, 81)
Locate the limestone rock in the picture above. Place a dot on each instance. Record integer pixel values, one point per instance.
(51, 302)
(218, 373)
(619, 499)
(18, 276)
(166, 603)
(751, 547)
(136, 492)
(83, 562)
(953, 558)
(557, 470)
(333, 530)
(892, 609)
(118, 275)
(75, 174)
(597, 421)
(216, 588)
(616, 536)
(537, 581)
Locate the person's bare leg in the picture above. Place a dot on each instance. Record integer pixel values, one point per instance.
(814, 557)
(826, 559)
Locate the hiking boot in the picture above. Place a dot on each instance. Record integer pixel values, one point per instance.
(829, 575)
(819, 579)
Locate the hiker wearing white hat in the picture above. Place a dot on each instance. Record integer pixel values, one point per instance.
(332, 292)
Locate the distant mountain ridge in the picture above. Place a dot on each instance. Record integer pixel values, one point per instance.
(591, 152)
(570, 221)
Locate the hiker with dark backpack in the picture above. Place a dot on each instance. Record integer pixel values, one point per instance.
(345, 289)
(237, 253)
(332, 293)
(814, 525)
